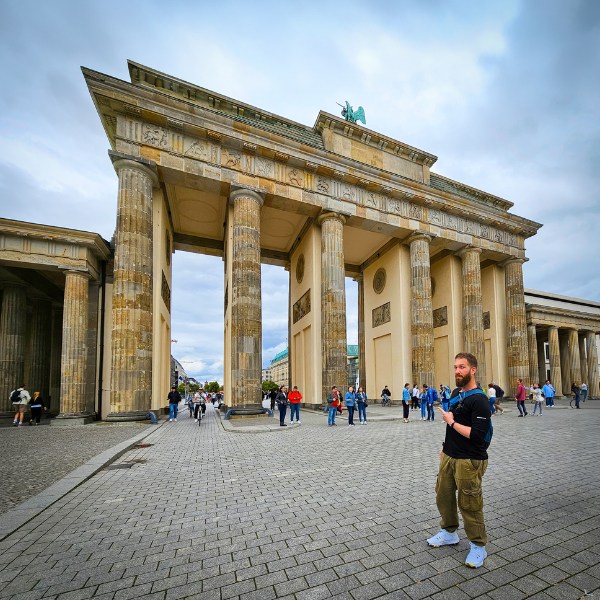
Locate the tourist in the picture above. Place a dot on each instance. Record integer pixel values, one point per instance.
(350, 405)
(445, 396)
(463, 462)
(549, 393)
(576, 393)
(499, 396)
(282, 403)
(584, 391)
(432, 397)
(37, 406)
(385, 395)
(174, 398)
(423, 402)
(295, 398)
(273, 395)
(197, 401)
(406, 397)
(537, 397)
(361, 400)
(520, 396)
(491, 392)
(416, 394)
(19, 398)
(333, 401)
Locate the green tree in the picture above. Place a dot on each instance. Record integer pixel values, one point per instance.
(268, 386)
(213, 386)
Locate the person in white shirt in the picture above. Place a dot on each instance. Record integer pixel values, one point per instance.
(537, 397)
(20, 403)
(491, 392)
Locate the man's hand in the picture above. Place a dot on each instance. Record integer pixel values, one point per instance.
(448, 417)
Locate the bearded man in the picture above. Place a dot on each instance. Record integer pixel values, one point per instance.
(463, 461)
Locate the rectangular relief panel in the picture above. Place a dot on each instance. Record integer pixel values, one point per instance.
(301, 307)
(381, 315)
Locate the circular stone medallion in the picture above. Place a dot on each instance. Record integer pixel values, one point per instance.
(379, 281)
(300, 269)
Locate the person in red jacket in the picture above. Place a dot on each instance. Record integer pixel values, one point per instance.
(295, 397)
(520, 396)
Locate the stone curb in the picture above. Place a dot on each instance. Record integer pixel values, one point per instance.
(24, 512)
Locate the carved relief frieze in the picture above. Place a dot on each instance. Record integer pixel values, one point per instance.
(415, 212)
(264, 167)
(440, 316)
(349, 192)
(487, 320)
(435, 217)
(295, 176)
(198, 149)
(372, 200)
(381, 314)
(301, 307)
(153, 135)
(165, 292)
(323, 185)
(231, 158)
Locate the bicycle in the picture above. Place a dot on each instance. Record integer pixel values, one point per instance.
(385, 400)
(572, 403)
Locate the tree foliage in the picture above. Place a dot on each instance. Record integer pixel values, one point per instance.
(268, 386)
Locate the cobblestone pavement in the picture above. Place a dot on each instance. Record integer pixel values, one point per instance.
(35, 457)
(310, 512)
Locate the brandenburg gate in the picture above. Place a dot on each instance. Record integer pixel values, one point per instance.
(439, 264)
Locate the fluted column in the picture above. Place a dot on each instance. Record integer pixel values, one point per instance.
(131, 344)
(246, 307)
(421, 309)
(39, 371)
(555, 366)
(13, 325)
(362, 368)
(541, 358)
(582, 357)
(565, 363)
(592, 364)
(533, 355)
(473, 308)
(516, 324)
(291, 349)
(574, 362)
(55, 357)
(333, 302)
(74, 346)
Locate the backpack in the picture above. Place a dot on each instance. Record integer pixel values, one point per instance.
(15, 396)
(459, 398)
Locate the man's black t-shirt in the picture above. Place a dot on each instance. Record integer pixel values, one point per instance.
(474, 412)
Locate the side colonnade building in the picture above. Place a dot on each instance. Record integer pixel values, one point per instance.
(439, 264)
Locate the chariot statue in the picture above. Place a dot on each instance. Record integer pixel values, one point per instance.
(353, 115)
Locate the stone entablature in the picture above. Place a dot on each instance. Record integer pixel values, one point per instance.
(556, 317)
(194, 140)
(43, 246)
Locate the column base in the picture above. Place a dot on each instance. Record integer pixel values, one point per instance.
(72, 419)
(134, 415)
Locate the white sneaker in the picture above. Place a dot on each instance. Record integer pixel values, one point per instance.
(476, 556)
(444, 538)
(174, 419)
(170, 420)
(298, 423)
(291, 422)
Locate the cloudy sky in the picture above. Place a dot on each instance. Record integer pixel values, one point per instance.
(506, 93)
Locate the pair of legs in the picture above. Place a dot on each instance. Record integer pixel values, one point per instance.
(350, 415)
(430, 412)
(415, 403)
(173, 410)
(36, 415)
(423, 409)
(521, 407)
(461, 477)
(197, 412)
(295, 410)
(331, 416)
(405, 410)
(282, 411)
(20, 414)
(535, 407)
(362, 412)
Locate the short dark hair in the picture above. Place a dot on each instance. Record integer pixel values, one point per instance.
(470, 358)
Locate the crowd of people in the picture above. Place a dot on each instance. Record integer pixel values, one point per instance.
(195, 401)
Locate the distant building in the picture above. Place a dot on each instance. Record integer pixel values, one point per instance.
(178, 374)
(266, 374)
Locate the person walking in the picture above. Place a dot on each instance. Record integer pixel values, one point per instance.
(537, 397)
(491, 392)
(282, 403)
(463, 462)
(406, 399)
(499, 396)
(520, 396)
(350, 405)
(19, 398)
(362, 402)
(37, 406)
(272, 396)
(584, 391)
(576, 393)
(333, 401)
(295, 397)
(174, 398)
(549, 393)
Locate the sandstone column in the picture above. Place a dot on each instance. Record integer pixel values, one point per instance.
(246, 307)
(541, 357)
(362, 369)
(574, 362)
(291, 349)
(473, 309)
(555, 366)
(55, 356)
(592, 364)
(74, 348)
(333, 302)
(13, 326)
(533, 355)
(131, 345)
(516, 324)
(565, 363)
(582, 358)
(39, 371)
(421, 309)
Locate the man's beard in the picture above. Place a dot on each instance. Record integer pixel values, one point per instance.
(463, 381)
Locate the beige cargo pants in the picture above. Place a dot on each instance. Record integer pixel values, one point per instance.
(464, 476)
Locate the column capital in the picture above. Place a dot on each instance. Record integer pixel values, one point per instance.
(359, 278)
(467, 250)
(419, 235)
(79, 272)
(512, 261)
(331, 215)
(238, 192)
(125, 161)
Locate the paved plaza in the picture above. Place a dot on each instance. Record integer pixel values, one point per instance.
(310, 512)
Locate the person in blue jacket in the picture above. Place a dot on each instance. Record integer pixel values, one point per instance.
(361, 399)
(432, 396)
(350, 405)
(423, 402)
(445, 396)
(406, 400)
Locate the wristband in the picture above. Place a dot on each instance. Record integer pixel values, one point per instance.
(452, 425)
